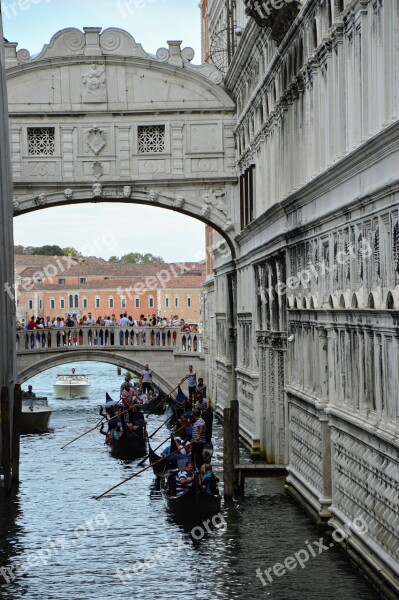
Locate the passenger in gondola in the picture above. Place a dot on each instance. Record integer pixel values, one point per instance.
(117, 433)
(127, 380)
(209, 483)
(136, 420)
(185, 479)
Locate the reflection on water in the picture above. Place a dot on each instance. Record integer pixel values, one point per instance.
(71, 546)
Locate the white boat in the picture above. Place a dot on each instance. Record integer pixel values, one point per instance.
(35, 415)
(71, 386)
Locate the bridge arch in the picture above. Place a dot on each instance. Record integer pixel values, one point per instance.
(107, 122)
(95, 355)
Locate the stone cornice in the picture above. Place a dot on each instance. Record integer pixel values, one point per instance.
(146, 63)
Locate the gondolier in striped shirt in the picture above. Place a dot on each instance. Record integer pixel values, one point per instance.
(198, 439)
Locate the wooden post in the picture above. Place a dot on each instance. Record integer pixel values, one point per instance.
(119, 370)
(16, 433)
(5, 431)
(235, 438)
(228, 455)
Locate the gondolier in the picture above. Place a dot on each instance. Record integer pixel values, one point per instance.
(146, 379)
(198, 439)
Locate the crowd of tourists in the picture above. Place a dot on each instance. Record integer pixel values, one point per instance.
(123, 320)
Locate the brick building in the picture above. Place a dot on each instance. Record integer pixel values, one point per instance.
(56, 286)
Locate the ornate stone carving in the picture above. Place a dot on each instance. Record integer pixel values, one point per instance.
(40, 200)
(96, 139)
(127, 191)
(179, 202)
(277, 342)
(205, 211)
(68, 193)
(228, 226)
(97, 169)
(153, 195)
(97, 190)
(94, 84)
(16, 206)
(215, 199)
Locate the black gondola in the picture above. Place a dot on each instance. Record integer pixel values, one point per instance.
(192, 503)
(155, 406)
(129, 446)
(159, 465)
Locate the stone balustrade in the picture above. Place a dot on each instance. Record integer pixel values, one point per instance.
(139, 338)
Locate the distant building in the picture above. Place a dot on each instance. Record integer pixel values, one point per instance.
(57, 286)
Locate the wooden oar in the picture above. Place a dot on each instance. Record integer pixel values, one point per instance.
(82, 434)
(92, 429)
(135, 475)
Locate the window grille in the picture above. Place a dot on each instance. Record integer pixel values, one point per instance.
(41, 141)
(151, 139)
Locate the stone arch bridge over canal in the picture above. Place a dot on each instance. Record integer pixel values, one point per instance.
(168, 351)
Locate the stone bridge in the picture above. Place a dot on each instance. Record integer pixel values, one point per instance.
(107, 122)
(168, 351)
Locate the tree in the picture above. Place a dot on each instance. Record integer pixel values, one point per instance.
(48, 250)
(19, 249)
(135, 258)
(71, 251)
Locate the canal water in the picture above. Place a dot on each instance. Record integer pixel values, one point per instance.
(58, 542)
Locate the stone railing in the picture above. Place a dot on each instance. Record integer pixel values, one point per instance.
(146, 338)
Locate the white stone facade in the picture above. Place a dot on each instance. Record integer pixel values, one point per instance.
(316, 288)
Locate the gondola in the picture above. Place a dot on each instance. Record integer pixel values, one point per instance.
(155, 406)
(192, 503)
(129, 446)
(159, 465)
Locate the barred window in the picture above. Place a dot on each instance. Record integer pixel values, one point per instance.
(151, 139)
(41, 141)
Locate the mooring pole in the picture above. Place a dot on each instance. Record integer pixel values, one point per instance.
(16, 433)
(6, 439)
(235, 437)
(228, 453)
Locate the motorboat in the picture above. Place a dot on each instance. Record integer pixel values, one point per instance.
(35, 415)
(71, 386)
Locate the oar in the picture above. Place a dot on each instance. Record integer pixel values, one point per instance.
(140, 464)
(92, 429)
(82, 434)
(135, 475)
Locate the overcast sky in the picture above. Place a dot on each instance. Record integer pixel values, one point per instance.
(175, 237)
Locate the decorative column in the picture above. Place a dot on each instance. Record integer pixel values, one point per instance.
(7, 300)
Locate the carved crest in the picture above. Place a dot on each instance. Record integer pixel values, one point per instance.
(96, 139)
(97, 169)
